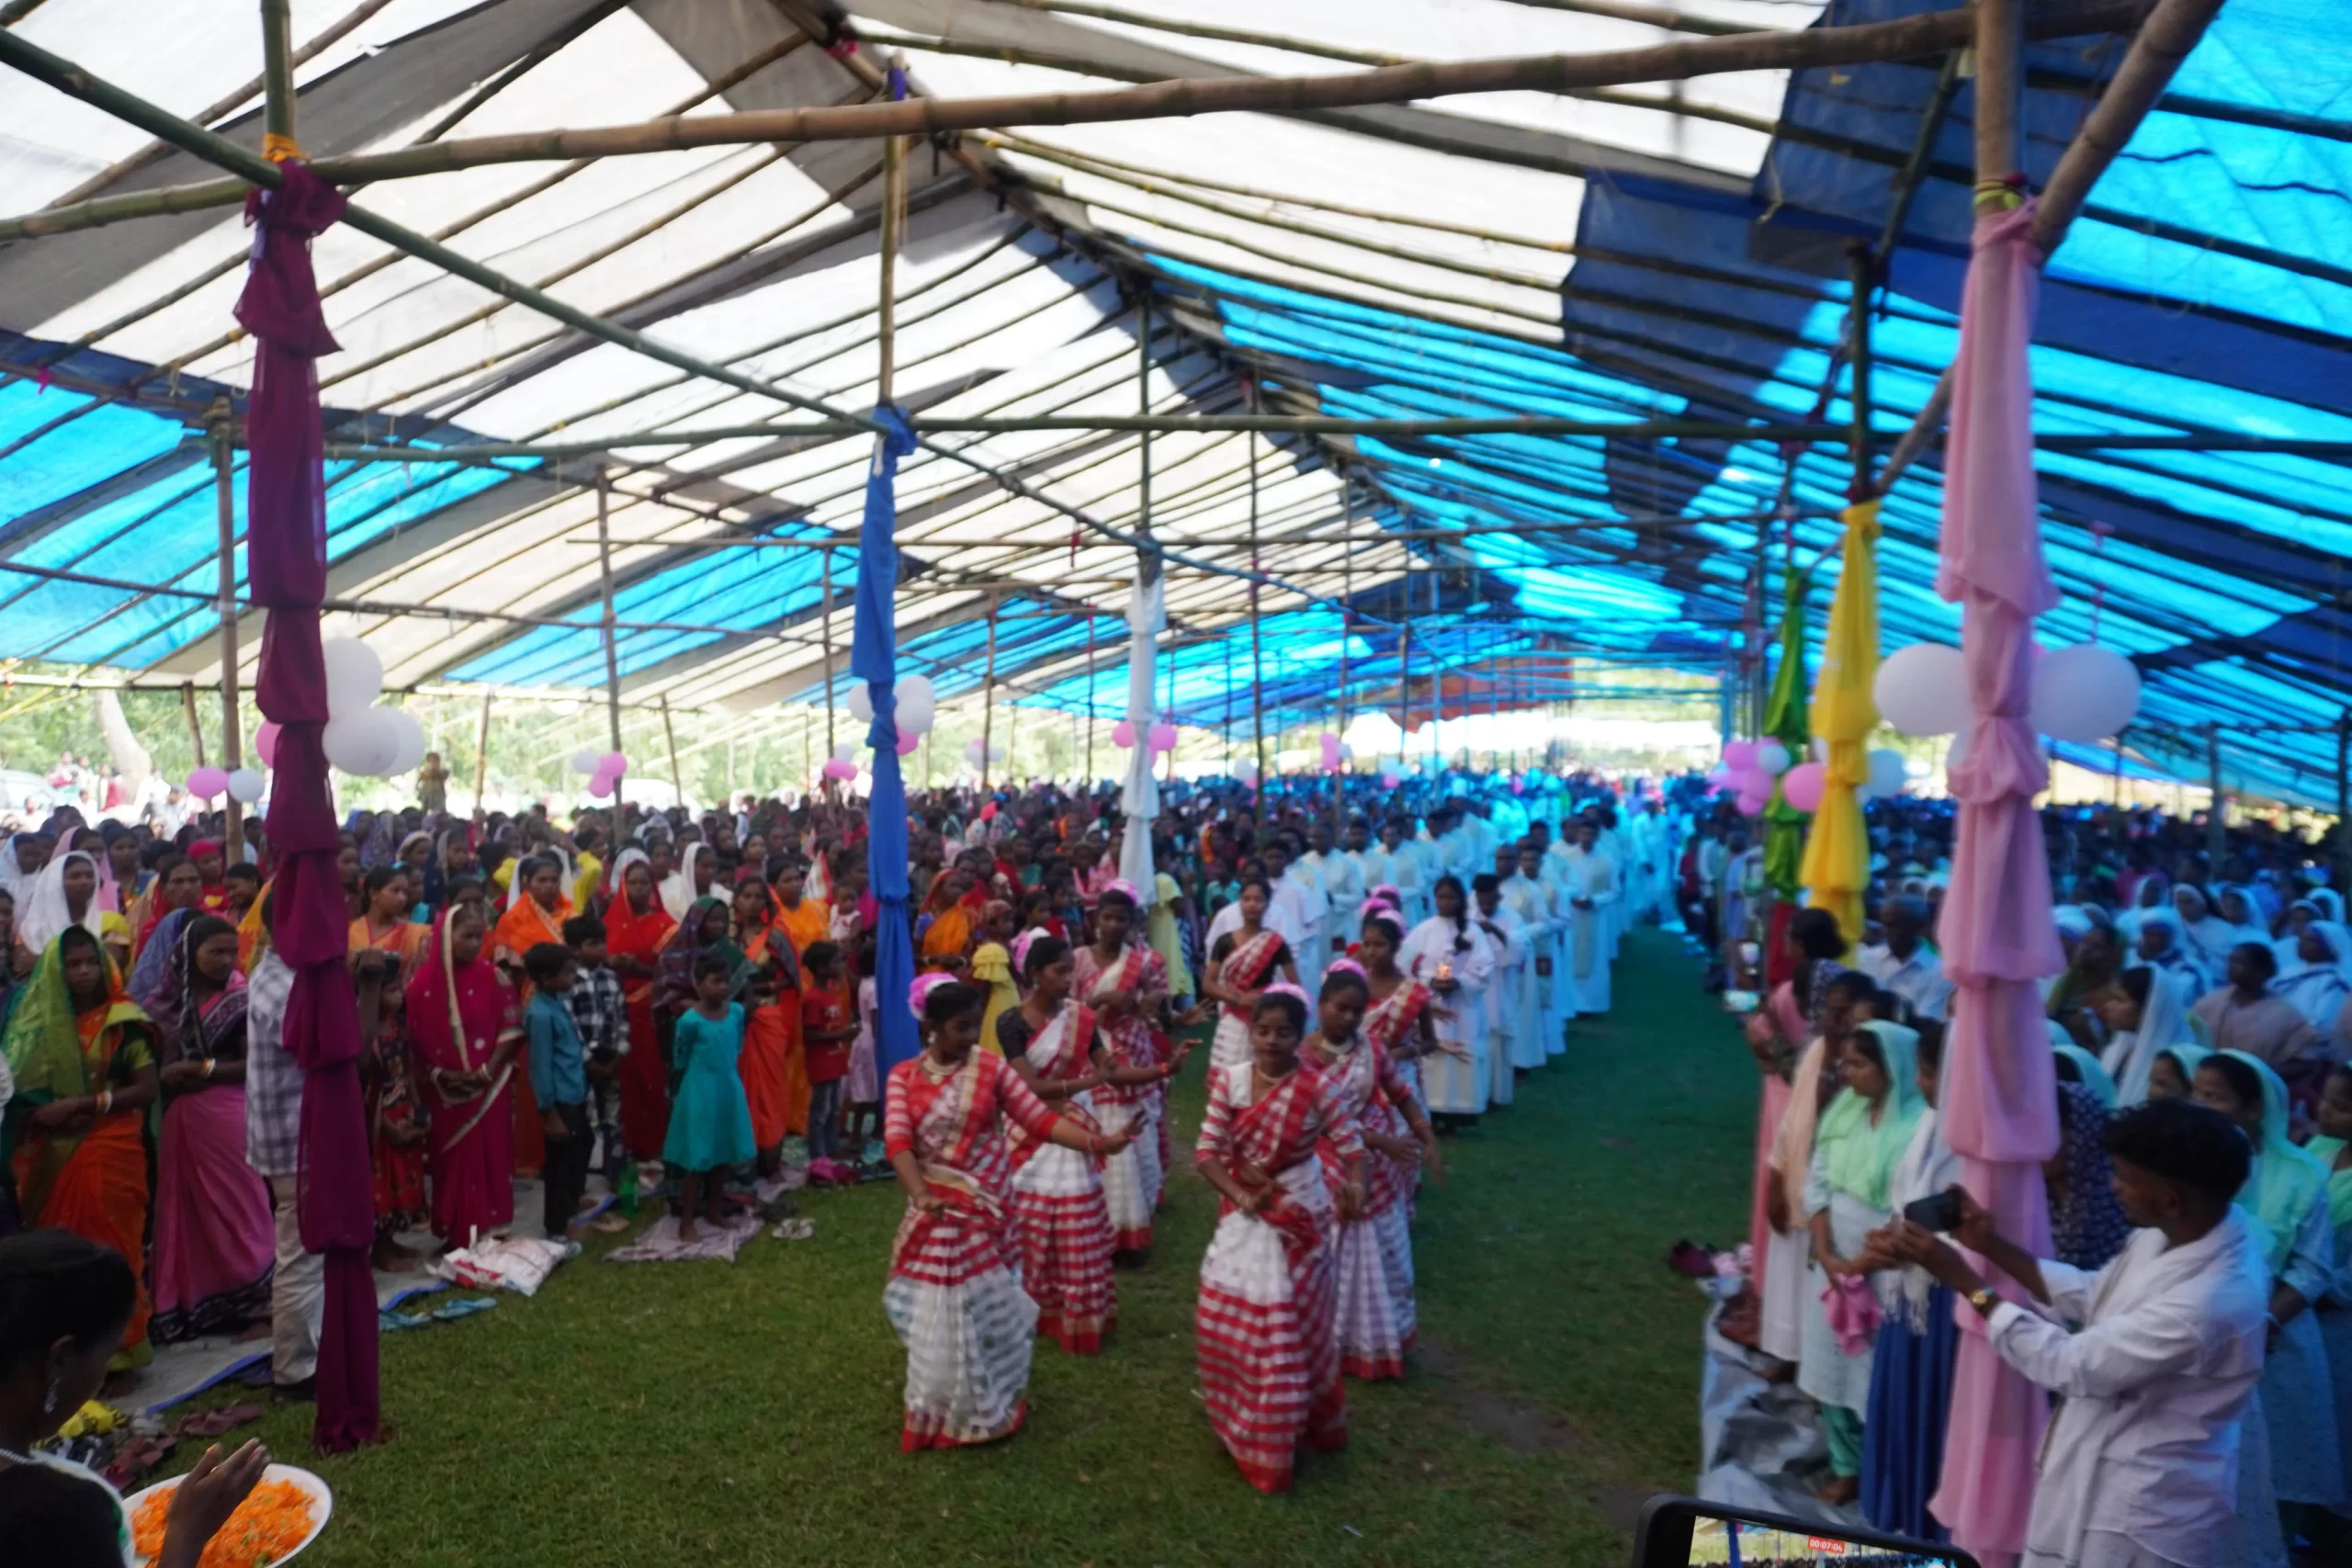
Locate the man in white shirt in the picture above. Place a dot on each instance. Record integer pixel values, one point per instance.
(1343, 884)
(1282, 911)
(2139, 1468)
(1903, 962)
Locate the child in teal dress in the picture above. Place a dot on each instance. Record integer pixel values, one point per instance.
(710, 1122)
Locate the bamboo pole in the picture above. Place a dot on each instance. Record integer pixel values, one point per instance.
(194, 728)
(988, 696)
(670, 737)
(1861, 271)
(231, 722)
(481, 755)
(825, 617)
(1089, 701)
(1907, 37)
(2343, 800)
(1256, 646)
(611, 632)
(2216, 819)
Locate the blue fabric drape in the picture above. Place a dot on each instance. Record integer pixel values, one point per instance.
(874, 658)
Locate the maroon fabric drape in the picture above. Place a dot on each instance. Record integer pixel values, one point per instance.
(286, 565)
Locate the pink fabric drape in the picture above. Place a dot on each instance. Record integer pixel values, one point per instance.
(286, 565)
(1998, 1100)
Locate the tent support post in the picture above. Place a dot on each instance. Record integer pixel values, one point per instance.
(825, 635)
(987, 694)
(2217, 819)
(611, 634)
(482, 752)
(1257, 651)
(1090, 699)
(194, 728)
(1861, 271)
(2344, 800)
(670, 737)
(224, 491)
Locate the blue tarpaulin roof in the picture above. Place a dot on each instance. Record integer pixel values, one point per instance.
(1511, 255)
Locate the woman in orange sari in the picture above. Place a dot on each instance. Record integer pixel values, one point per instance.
(386, 948)
(947, 940)
(535, 915)
(635, 925)
(801, 921)
(84, 1058)
(770, 1062)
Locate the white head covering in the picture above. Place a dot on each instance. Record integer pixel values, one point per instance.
(2317, 990)
(44, 914)
(678, 887)
(2132, 1054)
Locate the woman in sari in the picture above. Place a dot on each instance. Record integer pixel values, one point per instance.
(176, 886)
(947, 938)
(1450, 953)
(386, 948)
(2162, 949)
(1372, 1255)
(955, 1296)
(2317, 976)
(1862, 1138)
(83, 1055)
(214, 1233)
(2143, 1019)
(2287, 1190)
(66, 894)
(2333, 1149)
(636, 926)
(1400, 1018)
(1051, 1045)
(534, 915)
(993, 969)
(452, 857)
(691, 883)
(467, 1027)
(1269, 1356)
(1241, 964)
(1124, 983)
(771, 1064)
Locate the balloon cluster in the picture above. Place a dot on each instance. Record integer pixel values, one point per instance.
(241, 785)
(976, 752)
(604, 770)
(2082, 693)
(1244, 772)
(842, 765)
(1336, 754)
(362, 736)
(1162, 735)
(914, 708)
(1751, 767)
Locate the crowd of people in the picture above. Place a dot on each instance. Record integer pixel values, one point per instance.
(671, 999)
(2197, 1201)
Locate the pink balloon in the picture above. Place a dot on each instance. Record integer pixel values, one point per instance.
(1721, 780)
(988, 812)
(907, 744)
(266, 743)
(613, 763)
(1163, 736)
(1752, 803)
(836, 768)
(1739, 755)
(600, 786)
(1758, 783)
(1389, 781)
(209, 784)
(1123, 733)
(1800, 786)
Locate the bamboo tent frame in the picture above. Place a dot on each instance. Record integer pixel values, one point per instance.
(708, 492)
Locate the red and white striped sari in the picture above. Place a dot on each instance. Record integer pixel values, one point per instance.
(1372, 1258)
(1132, 1179)
(1246, 967)
(1268, 1362)
(1057, 1198)
(954, 1295)
(1388, 1023)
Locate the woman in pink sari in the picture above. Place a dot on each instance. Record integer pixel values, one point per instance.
(1269, 1355)
(1401, 1019)
(465, 1026)
(215, 1242)
(1124, 982)
(1241, 966)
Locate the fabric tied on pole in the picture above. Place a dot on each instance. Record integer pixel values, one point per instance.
(1837, 866)
(874, 658)
(285, 560)
(1999, 1098)
(1139, 800)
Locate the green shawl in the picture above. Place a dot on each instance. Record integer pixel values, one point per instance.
(2287, 1181)
(1857, 1156)
(1787, 721)
(2339, 1182)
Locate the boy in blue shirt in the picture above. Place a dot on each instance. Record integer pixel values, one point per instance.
(558, 1080)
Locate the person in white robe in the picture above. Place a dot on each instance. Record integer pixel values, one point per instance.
(1413, 858)
(2318, 977)
(1296, 883)
(1479, 839)
(1343, 885)
(1590, 881)
(1374, 866)
(1449, 953)
(1528, 897)
(2140, 1468)
(1516, 1008)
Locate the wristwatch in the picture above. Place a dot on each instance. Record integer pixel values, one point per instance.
(1984, 1299)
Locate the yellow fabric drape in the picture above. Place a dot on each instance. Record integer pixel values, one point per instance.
(1837, 851)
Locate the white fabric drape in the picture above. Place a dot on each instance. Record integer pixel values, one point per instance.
(1147, 618)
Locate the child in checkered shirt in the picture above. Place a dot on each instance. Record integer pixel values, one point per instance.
(603, 1018)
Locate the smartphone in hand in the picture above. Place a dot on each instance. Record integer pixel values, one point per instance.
(1938, 1211)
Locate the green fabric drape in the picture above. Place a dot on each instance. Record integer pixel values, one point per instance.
(1785, 721)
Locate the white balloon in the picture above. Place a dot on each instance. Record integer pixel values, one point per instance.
(845, 752)
(1888, 772)
(1773, 758)
(362, 742)
(2083, 693)
(1821, 747)
(244, 785)
(355, 675)
(916, 688)
(1347, 752)
(1923, 690)
(1955, 753)
(1244, 769)
(913, 711)
(584, 761)
(412, 742)
(861, 702)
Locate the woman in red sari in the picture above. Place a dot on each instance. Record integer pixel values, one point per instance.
(83, 1055)
(1124, 983)
(955, 1295)
(534, 915)
(386, 948)
(1269, 1357)
(467, 1028)
(771, 1062)
(1241, 963)
(636, 926)
(1399, 1017)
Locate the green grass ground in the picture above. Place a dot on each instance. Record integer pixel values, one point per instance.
(697, 1413)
